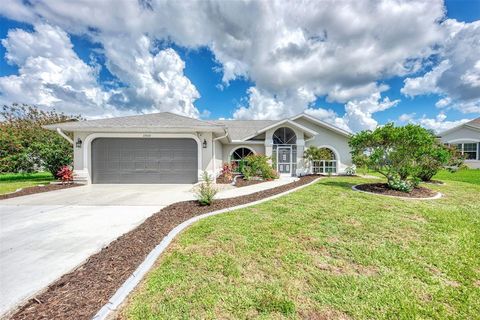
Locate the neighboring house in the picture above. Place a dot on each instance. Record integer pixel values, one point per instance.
(168, 148)
(466, 138)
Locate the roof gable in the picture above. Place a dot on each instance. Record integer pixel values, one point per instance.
(322, 124)
(472, 124)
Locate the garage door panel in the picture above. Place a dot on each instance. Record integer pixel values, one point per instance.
(137, 160)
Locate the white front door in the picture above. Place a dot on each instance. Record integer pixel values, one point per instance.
(284, 160)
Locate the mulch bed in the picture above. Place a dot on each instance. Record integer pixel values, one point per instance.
(82, 292)
(37, 189)
(382, 188)
(240, 182)
(221, 179)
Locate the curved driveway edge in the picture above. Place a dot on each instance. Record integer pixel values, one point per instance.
(127, 287)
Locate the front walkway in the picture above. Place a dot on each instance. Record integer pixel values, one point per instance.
(243, 191)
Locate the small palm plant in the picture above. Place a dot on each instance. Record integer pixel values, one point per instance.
(206, 193)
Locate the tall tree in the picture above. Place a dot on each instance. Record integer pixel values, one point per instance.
(25, 146)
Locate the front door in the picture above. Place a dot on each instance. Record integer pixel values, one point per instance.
(284, 160)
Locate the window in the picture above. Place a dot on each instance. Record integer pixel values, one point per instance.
(328, 163)
(469, 150)
(239, 154)
(284, 136)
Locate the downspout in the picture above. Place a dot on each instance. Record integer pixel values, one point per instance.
(213, 155)
(60, 132)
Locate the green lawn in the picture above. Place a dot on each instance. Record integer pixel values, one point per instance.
(12, 181)
(324, 252)
(464, 175)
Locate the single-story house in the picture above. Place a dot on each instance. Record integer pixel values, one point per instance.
(169, 148)
(466, 138)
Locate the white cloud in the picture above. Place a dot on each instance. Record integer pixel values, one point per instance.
(359, 113)
(457, 76)
(155, 81)
(293, 53)
(52, 75)
(437, 124)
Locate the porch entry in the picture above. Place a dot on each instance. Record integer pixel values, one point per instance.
(284, 151)
(284, 159)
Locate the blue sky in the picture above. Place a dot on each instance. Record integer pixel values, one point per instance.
(226, 66)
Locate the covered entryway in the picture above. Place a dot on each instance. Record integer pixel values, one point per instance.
(144, 160)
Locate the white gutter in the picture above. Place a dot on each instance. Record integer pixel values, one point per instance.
(60, 132)
(213, 155)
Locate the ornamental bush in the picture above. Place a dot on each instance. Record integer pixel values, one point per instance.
(257, 165)
(402, 154)
(206, 193)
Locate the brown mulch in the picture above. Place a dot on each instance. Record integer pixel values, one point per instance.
(37, 189)
(240, 182)
(221, 179)
(382, 188)
(82, 292)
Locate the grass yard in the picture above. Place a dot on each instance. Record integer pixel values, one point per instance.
(324, 252)
(12, 181)
(464, 175)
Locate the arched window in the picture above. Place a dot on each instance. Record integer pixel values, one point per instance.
(325, 161)
(284, 136)
(239, 154)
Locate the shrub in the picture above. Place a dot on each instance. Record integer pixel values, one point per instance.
(400, 154)
(256, 165)
(228, 169)
(65, 174)
(206, 193)
(437, 157)
(25, 146)
(351, 171)
(401, 185)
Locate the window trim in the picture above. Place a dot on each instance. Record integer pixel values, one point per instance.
(462, 149)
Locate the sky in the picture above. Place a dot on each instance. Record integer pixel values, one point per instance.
(355, 64)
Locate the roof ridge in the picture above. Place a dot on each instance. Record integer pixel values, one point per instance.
(180, 115)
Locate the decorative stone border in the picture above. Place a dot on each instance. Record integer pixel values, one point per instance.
(127, 287)
(437, 196)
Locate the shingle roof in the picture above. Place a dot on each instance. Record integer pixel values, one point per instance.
(474, 123)
(153, 120)
(238, 129)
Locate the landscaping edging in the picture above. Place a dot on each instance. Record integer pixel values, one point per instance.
(127, 287)
(81, 293)
(438, 195)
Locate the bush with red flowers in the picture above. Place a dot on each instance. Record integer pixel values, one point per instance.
(65, 174)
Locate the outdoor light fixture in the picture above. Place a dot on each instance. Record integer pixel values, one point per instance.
(204, 143)
(79, 143)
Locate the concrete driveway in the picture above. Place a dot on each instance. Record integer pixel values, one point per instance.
(46, 235)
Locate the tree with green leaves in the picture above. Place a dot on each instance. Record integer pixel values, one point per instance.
(25, 146)
(404, 155)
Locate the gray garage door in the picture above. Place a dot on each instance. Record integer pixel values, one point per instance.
(147, 160)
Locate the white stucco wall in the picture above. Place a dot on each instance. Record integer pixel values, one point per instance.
(328, 138)
(82, 156)
(464, 135)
